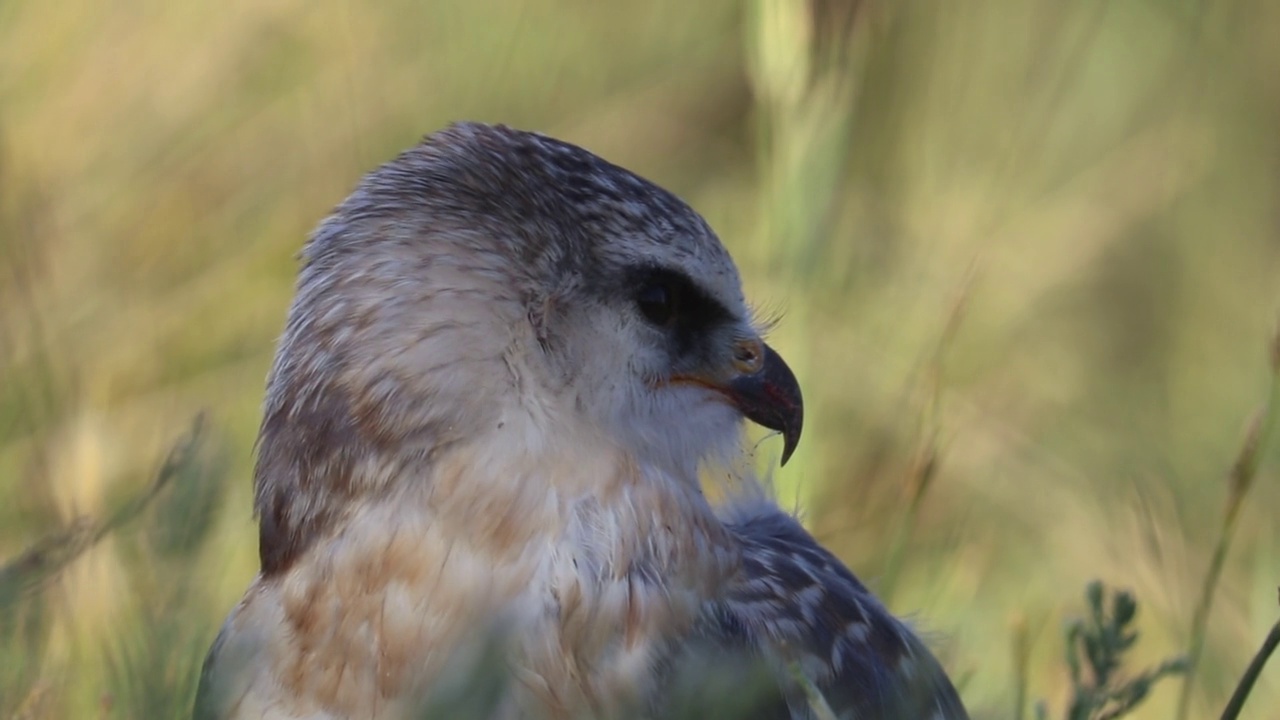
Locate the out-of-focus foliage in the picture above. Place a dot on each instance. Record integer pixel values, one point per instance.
(1027, 254)
(1096, 647)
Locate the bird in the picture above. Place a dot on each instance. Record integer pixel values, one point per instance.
(507, 369)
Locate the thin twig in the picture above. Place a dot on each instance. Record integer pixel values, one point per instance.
(1245, 686)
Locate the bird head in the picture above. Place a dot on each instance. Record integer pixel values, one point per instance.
(491, 281)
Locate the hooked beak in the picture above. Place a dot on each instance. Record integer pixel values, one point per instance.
(769, 395)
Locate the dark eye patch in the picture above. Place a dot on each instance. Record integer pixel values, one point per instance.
(668, 299)
(660, 302)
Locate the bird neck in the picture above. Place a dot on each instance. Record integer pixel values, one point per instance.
(596, 503)
(610, 560)
(591, 569)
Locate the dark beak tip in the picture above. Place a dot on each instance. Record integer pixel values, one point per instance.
(789, 442)
(771, 398)
(791, 430)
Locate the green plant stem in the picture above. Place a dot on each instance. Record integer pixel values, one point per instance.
(1199, 619)
(1242, 475)
(1021, 658)
(924, 464)
(817, 703)
(43, 560)
(1245, 686)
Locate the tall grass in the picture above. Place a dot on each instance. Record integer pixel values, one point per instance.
(1098, 181)
(1243, 474)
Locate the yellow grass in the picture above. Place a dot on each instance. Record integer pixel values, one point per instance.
(1099, 182)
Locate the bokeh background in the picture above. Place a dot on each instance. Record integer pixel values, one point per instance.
(1026, 254)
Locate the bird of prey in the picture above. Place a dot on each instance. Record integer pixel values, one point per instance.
(505, 366)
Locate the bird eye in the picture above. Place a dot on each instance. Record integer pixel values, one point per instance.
(657, 302)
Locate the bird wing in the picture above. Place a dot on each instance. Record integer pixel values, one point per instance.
(796, 605)
(234, 668)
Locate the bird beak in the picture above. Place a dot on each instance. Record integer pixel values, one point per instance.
(767, 393)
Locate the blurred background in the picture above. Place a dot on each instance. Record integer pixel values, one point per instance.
(1026, 255)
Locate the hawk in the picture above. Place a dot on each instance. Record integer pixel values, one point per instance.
(505, 366)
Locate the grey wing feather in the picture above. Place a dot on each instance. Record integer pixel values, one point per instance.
(796, 604)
